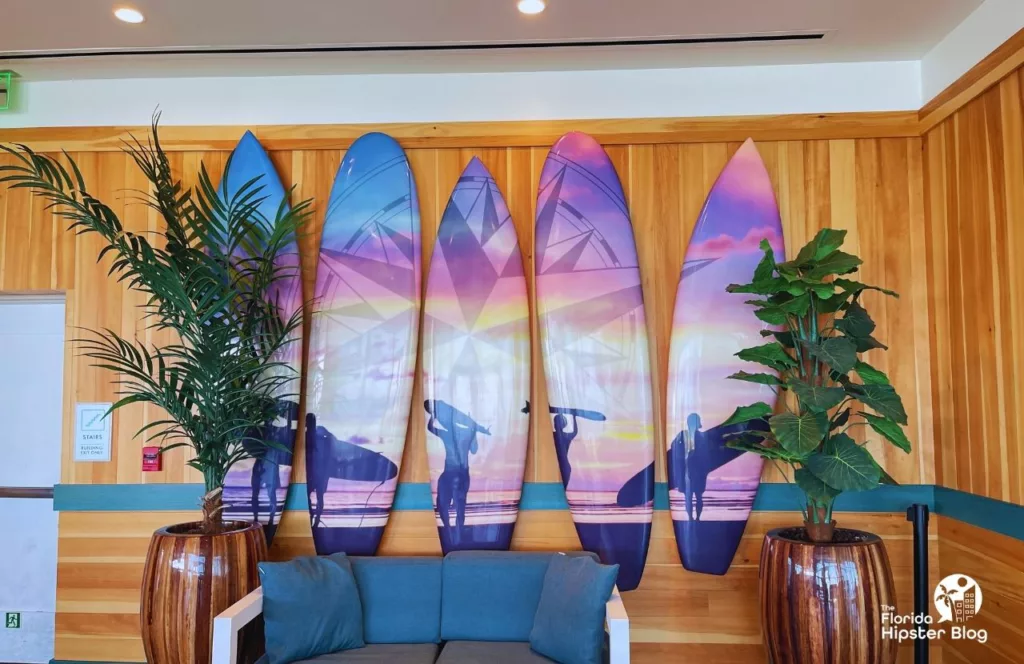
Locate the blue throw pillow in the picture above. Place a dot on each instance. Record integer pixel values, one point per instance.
(569, 625)
(311, 607)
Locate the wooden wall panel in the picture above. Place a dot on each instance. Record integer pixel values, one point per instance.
(866, 186)
(994, 562)
(674, 614)
(974, 180)
(844, 179)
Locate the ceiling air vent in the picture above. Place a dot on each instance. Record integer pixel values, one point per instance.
(771, 37)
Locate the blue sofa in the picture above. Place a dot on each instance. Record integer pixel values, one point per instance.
(471, 607)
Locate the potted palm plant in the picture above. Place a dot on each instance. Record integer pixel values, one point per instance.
(821, 586)
(210, 277)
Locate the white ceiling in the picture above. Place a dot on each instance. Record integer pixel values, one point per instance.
(858, 30)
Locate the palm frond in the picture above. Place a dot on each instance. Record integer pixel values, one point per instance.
(213, 276)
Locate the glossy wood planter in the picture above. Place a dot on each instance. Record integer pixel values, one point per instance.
(188, 580)
(822, 603)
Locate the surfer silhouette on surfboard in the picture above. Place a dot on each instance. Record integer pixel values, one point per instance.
(689, 469)
(340, 459)
(692, 457)
(458, 432)
(269, 449)
(564, 437)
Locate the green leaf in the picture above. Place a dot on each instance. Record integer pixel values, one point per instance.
(883, 399)
(765, 269)
(856, 322)
(839, 353)
(824, 243)
(759, 287)
(854, 287)
(823, 291)
(771, 315)
(870, 375)
(864, 344)
(848, 468)
(788, 271)
(762, 378)
(814, 397)
(798, 306)
(841, 420)
(785, 339)
(833, 303)
(799, 434)
(889, 430)
(838, 262)
(812, 485)
(801, 286)
(756, 411)
(771, 355)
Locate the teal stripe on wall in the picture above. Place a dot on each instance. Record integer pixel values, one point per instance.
(416, 496)
(988, 513)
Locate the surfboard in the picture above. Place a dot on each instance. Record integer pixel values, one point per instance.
(476, 367)
(712, 487)
(593, 336)
(255, 489)
(362, 351)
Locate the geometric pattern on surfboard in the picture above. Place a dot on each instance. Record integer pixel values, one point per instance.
(712, 487)
(594, 344)
(476, 367)
(362, 350)
(255, 489)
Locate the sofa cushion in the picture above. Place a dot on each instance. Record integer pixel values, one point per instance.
(493, 652)
(401, 598)
(569, 625)
(311, 607)
(381, 653)
(492, 595)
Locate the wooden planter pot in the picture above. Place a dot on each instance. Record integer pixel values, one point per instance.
(188, 580)
(823, 603)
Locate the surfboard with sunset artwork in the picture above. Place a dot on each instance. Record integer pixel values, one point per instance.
(712, 487)
(594, 343)
(476, 367)
(362, 346)
(255, 489)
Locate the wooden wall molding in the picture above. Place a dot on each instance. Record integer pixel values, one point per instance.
(996, 66)
(646, 131)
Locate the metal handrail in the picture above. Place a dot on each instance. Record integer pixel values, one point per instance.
(26, 492)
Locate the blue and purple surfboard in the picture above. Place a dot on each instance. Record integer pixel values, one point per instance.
(712, 487)
(255, 489)
(594, 343)
(476, 367)
(362, 351)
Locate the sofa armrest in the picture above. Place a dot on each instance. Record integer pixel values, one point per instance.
(227, 625)
(617, 624)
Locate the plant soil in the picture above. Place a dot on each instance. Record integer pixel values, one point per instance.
(841, 536)
(196, 528)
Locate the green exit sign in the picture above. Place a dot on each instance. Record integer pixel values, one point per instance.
(5, 90)
(13, 620)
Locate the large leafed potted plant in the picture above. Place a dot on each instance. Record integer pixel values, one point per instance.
(822, 587)
(209, 277)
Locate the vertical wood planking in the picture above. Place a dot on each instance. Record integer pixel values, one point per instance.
(865, 186)
(974, 192)
(872, 188)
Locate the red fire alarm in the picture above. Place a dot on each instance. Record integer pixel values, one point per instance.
(150, 459)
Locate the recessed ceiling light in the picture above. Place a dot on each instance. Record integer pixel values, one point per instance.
(129, 15)
(531, 6)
